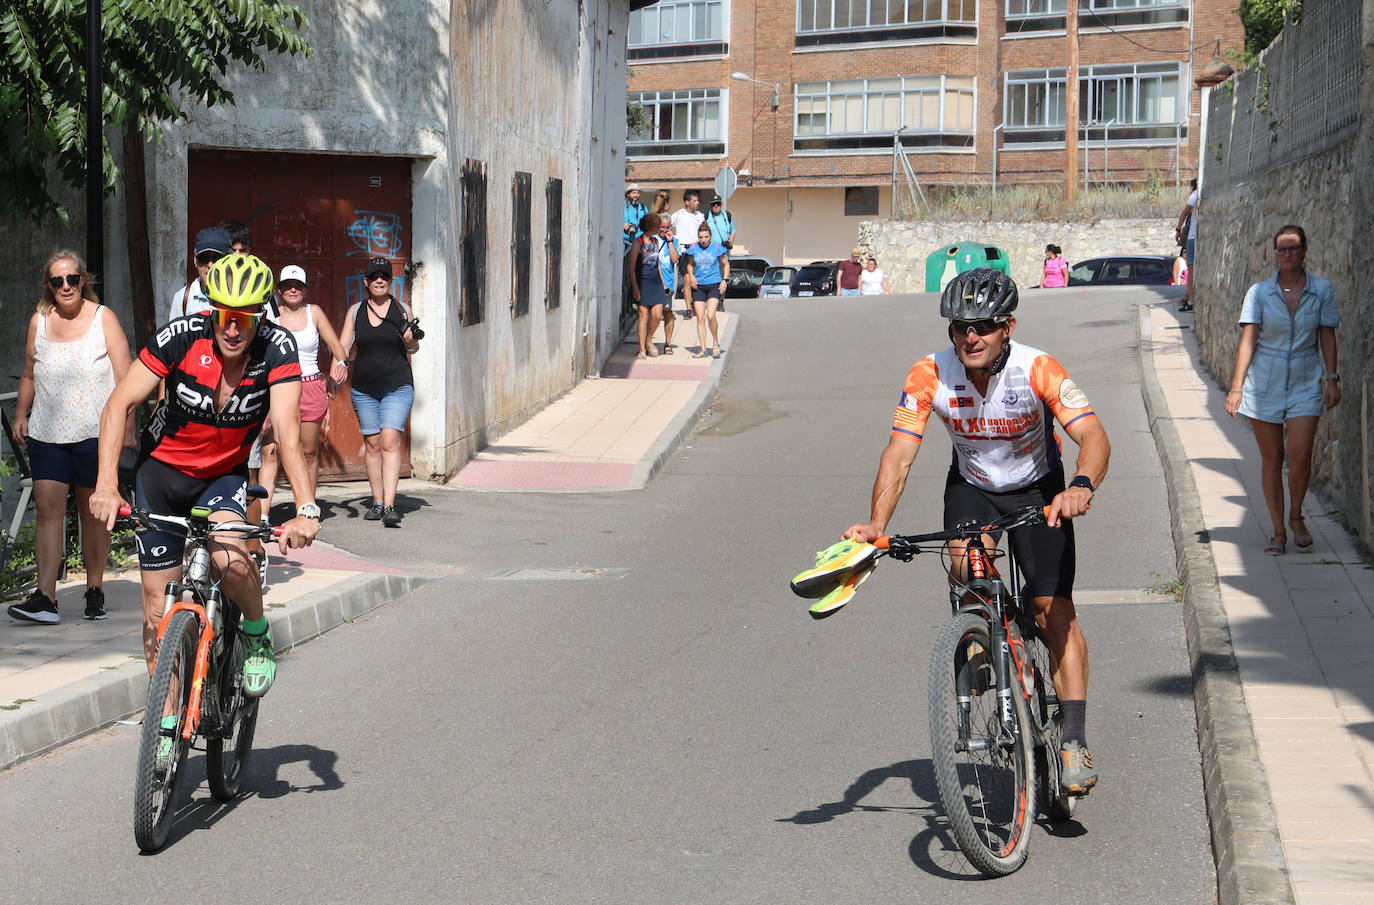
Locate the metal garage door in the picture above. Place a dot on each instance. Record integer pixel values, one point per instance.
(327, 213)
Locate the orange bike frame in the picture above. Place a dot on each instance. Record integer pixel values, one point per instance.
(202, 665)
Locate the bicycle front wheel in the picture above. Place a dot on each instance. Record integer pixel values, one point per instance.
(226, 755)
(158, 775)
(985, 776)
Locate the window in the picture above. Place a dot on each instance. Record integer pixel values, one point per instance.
(553, 242)
(861, 201)
(474, 282)
(853, 21)
(1115, 102)
(1049, 15)
(680, 123)
(856, 114)
(678, 28)
(521, 190)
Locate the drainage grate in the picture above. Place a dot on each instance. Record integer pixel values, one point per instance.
(556, 574)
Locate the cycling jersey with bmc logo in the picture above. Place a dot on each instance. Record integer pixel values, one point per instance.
(1004, 440)
(187, 432)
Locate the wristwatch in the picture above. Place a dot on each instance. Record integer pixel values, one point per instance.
(1334, 376)
(308, 510)
(1082, 480)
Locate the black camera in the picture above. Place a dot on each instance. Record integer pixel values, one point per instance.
(414, 326)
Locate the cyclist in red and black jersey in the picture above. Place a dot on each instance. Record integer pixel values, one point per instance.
(225, 371)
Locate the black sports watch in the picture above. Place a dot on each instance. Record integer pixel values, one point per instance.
(1081, 480)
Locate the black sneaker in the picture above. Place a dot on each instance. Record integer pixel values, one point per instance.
(391, 518)
(37, 608)
(95, 604)
(1185, 306)
(373, 512)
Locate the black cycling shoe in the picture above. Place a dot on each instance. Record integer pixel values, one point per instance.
(374, 512)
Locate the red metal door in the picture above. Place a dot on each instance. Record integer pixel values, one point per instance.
(327, 213)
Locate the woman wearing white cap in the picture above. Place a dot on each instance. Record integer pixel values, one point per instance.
(309, 325)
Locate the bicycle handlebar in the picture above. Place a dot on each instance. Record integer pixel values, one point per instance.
(1031, 515)
(243, 529)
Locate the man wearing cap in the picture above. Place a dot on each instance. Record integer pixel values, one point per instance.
(634, 212)
(851, 272)
(721, 222)
(212, 244)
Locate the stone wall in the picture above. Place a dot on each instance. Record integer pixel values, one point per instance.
(901, 246)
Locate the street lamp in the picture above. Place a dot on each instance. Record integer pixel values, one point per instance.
(741, 77)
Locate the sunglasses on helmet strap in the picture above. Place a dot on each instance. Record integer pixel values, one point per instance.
(981, 327)
(246, 318)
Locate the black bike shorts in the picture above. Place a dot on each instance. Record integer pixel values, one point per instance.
(1045, 555)
(163, 490)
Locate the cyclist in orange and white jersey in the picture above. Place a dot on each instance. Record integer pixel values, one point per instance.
(1000, 402)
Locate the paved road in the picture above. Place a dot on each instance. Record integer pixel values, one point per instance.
(673, 729)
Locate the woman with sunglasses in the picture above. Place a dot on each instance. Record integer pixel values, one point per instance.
(310, 327)
(226, 373)
(1285, 377)
(75, 353)
(376, 332)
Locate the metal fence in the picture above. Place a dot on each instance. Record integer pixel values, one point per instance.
(1301, 98)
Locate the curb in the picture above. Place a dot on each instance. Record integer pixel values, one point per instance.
(682, 425)
(1250, 864)
(87, 705)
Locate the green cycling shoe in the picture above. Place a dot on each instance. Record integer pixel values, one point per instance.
(259, 664)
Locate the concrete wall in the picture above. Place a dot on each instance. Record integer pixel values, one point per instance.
(521, 85)
(901, 246)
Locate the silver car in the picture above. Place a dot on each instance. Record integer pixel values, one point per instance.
(777, 283)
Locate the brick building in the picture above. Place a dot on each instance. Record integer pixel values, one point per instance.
(969, 88)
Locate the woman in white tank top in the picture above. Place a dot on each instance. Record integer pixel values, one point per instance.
(309, 325)
(76, 352)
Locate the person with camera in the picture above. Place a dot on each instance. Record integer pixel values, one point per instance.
(722, 223)
(379, 335)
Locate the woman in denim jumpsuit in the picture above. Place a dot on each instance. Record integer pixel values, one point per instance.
(1285, 376)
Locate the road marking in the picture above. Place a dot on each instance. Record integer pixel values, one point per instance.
(556, 574)
(1120, 596)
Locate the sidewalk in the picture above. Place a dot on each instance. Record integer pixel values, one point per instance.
(60, 682)
(1286, 702)
(613, 432)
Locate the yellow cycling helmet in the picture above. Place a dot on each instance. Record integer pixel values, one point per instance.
(239, 281)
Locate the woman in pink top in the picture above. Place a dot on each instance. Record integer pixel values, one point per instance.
(1056, 269)
(76, 352)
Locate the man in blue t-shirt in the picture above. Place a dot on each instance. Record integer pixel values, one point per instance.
(634, 212)
(722, 223)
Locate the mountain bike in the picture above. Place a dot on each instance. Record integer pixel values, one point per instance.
(995, 728)
(197, 678)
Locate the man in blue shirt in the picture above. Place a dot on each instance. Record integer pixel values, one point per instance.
(634, 212)
(722, 223)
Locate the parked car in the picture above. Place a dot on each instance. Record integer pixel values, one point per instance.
(746, 276)
(777, 283)
(816, 278)
(1120, 270)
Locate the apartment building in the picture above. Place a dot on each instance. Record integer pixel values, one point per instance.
(808, 101)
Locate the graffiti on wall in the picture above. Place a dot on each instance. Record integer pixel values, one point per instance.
(375, 233)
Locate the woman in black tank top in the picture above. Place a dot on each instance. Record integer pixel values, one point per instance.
(379, 341)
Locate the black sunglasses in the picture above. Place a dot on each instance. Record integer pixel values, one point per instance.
(73, 280)
(982, 328)
(379, 275)
(208, 257)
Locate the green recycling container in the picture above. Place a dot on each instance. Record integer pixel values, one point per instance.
(942, 264)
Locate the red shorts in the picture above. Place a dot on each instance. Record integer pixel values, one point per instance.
(314, 402)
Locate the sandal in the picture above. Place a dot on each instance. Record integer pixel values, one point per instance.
(1301, 538)
(1277, 544)
(668, 348)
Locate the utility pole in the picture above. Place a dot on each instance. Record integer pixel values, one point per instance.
(1071, 104)
(95, 148)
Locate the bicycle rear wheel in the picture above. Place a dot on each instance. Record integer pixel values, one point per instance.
(986, 780)
(157, 786)
(226, 755)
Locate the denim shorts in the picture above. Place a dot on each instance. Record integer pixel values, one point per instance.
(390, 410)
(73, 464)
